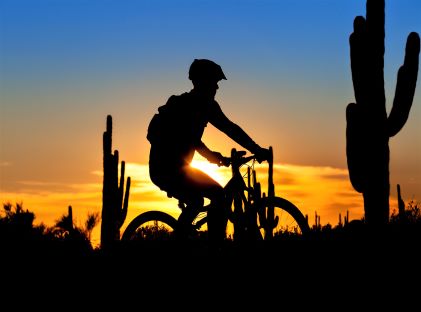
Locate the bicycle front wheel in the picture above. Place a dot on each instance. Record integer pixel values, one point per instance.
(150, 225)
(282, 218)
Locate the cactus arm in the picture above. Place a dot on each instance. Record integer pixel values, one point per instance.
(357, 42)
(405, 86)
(356, 142)
(354, 146)
(375, 27)
(121, 185)
(114, 172)
(375, 32)
(125, 203)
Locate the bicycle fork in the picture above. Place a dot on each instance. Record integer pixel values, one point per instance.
(244, 212)
(266, 215)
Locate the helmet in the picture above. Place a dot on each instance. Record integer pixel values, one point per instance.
(203, 69)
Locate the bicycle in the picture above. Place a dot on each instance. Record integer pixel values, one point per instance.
(254, 215)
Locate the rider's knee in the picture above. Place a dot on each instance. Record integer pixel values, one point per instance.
(218, 194)
(195, 202)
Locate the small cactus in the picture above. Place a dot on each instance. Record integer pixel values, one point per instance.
(401, 205)
(114, 205)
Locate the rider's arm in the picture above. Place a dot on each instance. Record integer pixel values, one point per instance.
(211, 156)
(235, 132)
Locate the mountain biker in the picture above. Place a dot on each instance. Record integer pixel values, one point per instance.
(175, 134)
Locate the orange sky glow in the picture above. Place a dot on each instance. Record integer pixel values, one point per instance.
(322, 190)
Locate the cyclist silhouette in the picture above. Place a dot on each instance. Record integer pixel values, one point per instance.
(175, 134)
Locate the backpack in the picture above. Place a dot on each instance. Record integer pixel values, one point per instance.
(176, 121)
(161, 126)
(154, 128)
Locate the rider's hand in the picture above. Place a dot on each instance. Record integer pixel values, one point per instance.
(221, 160)
(262, 154)
(225, 161)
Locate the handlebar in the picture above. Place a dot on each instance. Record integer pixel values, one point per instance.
(238, 158)
(243, 160)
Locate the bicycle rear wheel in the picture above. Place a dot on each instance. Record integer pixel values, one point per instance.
(150, 225)
(290, 220)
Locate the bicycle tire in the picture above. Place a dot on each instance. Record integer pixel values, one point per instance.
(160, 220)
(293, 221)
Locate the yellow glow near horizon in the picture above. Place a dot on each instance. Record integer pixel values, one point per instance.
(322, 190)
(219, 174)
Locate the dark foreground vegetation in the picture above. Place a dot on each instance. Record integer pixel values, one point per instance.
(22, 239)
(59, 263)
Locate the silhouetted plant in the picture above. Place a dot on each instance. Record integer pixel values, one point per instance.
(17, 215)
(114, 205)
(154, 232)
(17, 223)
(66, 230)
(91, 222)
(287, 233)
(412, 214)
(368, 126)
(317, 225)
(401, 205)
(65, 224)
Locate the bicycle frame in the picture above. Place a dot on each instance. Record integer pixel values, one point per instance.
(247, 210)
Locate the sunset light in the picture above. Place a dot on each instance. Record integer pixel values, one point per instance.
(322, 190)
(219, 174)
(66, 67)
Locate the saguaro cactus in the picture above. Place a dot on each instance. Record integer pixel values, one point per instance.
(114, 205)
(368, 126)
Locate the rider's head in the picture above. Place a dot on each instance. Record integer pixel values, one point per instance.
(205, 75)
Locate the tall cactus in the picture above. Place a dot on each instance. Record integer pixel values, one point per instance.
(114, 205)
(368, 126)
(401, 205)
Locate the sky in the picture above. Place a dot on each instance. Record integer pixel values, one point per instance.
(67, 64)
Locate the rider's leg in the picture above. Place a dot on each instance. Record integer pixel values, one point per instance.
(188, 214)
(217, 217)
(176, 184)
(197, 182)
